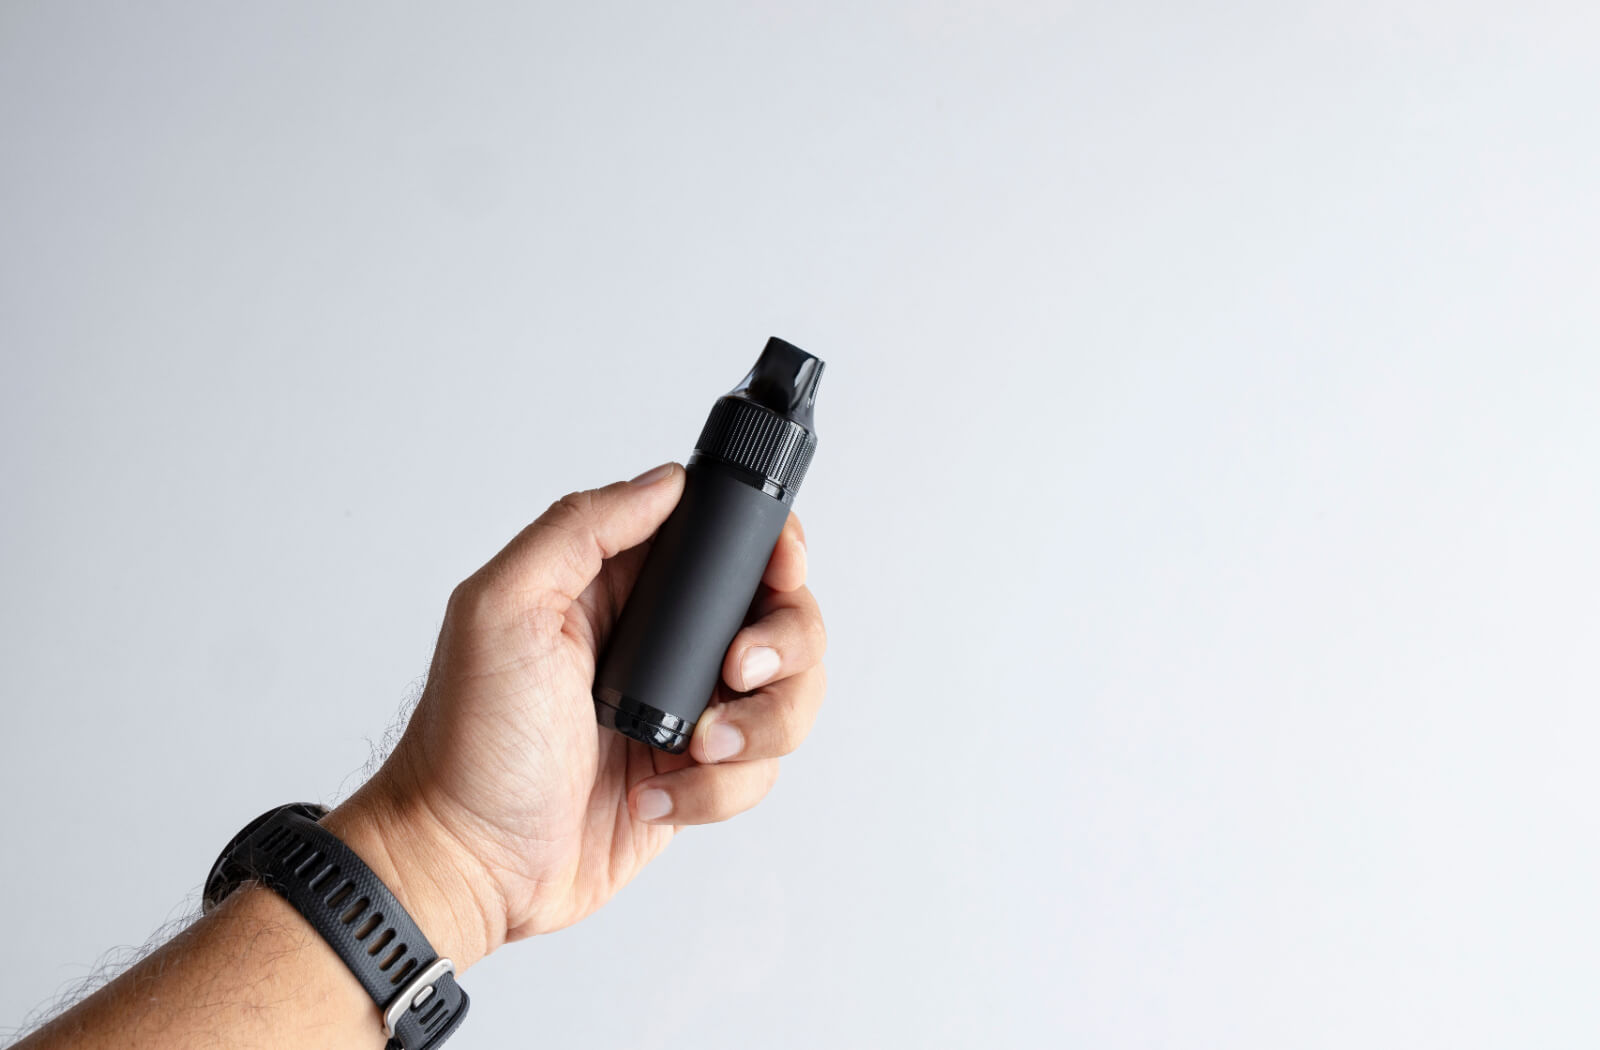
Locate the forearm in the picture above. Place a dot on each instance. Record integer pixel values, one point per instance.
(253, 972)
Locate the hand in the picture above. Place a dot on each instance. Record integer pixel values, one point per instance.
(505, 804)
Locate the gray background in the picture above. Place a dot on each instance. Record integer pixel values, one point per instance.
(1205, 515)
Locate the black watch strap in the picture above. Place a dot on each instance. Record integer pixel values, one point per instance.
(287, 850)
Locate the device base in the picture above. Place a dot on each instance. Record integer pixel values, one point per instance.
(641, 722)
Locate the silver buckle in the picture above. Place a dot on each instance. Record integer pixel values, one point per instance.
(416, 992)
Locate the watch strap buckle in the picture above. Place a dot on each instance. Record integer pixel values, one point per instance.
(415, 994)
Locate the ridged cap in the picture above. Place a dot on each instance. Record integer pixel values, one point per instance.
(764, 425)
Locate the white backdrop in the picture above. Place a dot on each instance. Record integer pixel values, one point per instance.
(1205, 512)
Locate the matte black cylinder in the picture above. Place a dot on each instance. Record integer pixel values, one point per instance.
(664, 656)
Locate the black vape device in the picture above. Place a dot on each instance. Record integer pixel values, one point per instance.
(665, 653)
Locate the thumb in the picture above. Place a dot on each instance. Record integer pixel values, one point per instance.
(552, 560)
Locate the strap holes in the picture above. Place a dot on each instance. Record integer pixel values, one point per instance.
(384, 938)
(330, 872)
(394, 957)
(352, 913)
(373, 922)
(311, 858)
(400, 974)
(339, 895)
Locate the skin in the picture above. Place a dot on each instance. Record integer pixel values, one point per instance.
(505, 811)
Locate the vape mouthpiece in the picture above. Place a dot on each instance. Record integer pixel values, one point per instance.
(785, 380)
(764, 425)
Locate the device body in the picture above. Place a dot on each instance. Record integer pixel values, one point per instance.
(664, 656)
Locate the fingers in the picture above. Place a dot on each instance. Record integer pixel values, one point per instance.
(787, 568)
(765, 725)
(555, 558)
(737, 743)
(702, 794)
(787, 638)
(781, 656)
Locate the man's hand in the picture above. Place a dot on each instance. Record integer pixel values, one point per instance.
(505, 811)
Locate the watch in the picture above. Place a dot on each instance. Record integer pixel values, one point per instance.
(287, 850)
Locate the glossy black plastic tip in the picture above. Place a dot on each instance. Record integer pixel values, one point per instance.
(638, 721)
(784, 380)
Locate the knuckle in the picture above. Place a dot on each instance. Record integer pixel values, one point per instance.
(576, 507)
(566, 530)
(734, 790)
(471, 600)
(817, 633)
(481, 602)
(789, 726)
(717, 798)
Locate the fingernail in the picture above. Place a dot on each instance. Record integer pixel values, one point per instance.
(757, 666)
(723, 741)
(653, 804)
(653, 475)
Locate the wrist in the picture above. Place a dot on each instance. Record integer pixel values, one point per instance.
(445, 889)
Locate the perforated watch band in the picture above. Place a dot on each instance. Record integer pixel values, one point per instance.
(287, 850)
